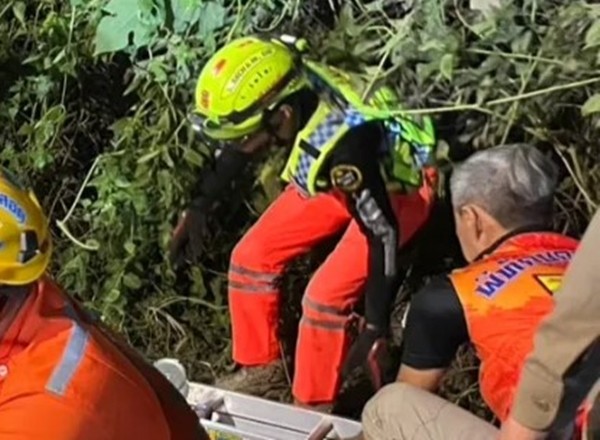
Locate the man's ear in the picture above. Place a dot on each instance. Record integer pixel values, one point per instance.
(471, 216)
(478, 220)
(467, 214)
(286, 113)
(280, 115)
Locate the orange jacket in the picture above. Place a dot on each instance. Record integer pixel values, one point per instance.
(505, 296)
(62, 377)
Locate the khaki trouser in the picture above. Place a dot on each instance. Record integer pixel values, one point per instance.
(401, 412)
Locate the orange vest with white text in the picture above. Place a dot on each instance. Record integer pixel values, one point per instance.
(505, 295)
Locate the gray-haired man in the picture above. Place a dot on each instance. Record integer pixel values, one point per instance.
(502, 200)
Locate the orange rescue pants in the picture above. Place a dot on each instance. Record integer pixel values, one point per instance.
(291, 226)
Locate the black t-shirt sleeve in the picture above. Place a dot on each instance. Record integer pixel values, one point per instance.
(354, 168)
(435, 327)
(218, 177)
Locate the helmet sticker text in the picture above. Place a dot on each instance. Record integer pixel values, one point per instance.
(244, 68)
(13, 208)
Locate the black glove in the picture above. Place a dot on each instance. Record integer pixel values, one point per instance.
(189, 235)
(359, 351)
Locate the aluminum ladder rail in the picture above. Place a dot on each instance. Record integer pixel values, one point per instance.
(227, 415)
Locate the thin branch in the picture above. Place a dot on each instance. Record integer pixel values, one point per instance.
(516, 56)
(577, 179)
(81, 189)
(514, 107)
(509, 99)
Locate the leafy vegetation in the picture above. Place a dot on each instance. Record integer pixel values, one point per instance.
(94, 96)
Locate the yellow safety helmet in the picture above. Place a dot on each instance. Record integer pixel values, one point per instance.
(240, 82)
(25, 242)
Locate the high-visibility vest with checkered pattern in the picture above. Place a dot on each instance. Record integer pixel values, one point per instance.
(405, 150)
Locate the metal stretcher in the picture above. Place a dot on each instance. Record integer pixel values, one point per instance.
(228, 415)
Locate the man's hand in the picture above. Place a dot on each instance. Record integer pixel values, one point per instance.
(188, 236)
(513, 430)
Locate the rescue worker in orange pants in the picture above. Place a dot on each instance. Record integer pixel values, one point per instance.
(502, 200)
(354, 168)
(63, 376)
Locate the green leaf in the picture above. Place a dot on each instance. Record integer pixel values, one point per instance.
(157, 68)
(447, 66)
(114, 30)
(149, 156)
(442, 151)
(522, 43)
(592, 36)
(484, 29)
(132, 281)
(365, 47)
(432, 45)
(592, 105)
(194, 158)
(129, 247)
(19, 11)
(60, 56)
(112, 296)
(218, 289)
(185, 13)
(212, 18)
(198, 288)
(426, 70)
(92, 244)
(122, 183)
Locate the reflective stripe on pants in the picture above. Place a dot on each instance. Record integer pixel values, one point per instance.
(290, 227)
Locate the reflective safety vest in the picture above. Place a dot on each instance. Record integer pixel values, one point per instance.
(505, 296)
(409, 144)
(63, 377)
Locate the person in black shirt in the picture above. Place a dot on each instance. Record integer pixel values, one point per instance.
(502, 200)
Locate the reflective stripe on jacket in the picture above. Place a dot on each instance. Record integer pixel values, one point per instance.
(63, 377)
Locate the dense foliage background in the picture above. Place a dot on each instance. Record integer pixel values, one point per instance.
(93, 98)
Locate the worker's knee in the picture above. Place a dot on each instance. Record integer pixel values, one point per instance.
(318, 291)
(332, 291)
(324, 304)
(252, 250)
(385, 401)
(384, 409)
(253, 269)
